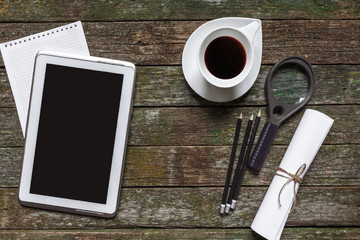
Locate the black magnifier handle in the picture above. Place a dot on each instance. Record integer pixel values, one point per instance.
(284, 110)
(263, 145)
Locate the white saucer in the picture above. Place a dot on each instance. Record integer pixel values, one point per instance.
(190, 66)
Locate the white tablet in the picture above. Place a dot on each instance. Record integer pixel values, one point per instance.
(76, 133)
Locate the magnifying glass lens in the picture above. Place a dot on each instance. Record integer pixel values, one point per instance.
(290, 84)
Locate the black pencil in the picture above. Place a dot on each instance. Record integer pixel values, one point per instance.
(231, 163)
(238, 166)
(247, 156)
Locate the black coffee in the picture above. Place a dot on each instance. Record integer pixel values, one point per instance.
(225, 57)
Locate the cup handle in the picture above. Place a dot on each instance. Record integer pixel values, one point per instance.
(250, 30)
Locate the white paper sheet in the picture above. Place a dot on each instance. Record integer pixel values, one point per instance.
(19, 57)
(270, 219)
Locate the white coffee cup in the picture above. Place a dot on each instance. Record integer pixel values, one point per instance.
(245, 36)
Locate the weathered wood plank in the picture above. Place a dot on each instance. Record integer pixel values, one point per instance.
(162, 42)
(155, 233)
(150, 10)
(215, 126)
(190, 207)
(207, 166)
(166, 86)
(193, 126)
(10, 131)
(6, 97)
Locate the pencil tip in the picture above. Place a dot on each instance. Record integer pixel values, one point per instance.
(240, 117)
(252, 117)
(259, 114)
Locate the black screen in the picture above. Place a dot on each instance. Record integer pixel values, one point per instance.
(76, 133)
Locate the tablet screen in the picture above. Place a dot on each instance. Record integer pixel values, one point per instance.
(76, 133)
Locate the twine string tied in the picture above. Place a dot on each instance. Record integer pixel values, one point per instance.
(291, 177)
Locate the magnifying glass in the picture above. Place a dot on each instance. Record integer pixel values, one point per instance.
(289, 86)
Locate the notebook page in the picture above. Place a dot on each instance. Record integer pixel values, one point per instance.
(19, 57)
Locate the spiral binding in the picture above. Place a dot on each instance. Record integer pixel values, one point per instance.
(36, 36)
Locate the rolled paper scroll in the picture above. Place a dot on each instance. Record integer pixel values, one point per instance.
(271, 217)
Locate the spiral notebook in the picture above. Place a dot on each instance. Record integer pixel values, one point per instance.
(19, 57)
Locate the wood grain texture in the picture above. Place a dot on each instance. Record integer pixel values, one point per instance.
(193, 126)
(162, 42)
(189, 207)
(334, 165)
(155, 233)
(166, 86)
(215, 126)
(98, 10)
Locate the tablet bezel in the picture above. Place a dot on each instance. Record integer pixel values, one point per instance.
(84, 62)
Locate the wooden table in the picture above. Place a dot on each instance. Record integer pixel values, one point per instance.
(179, 143)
